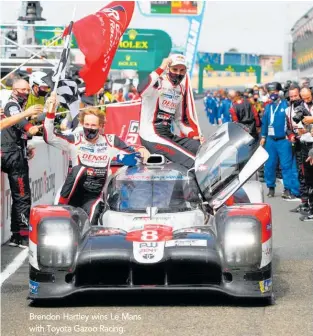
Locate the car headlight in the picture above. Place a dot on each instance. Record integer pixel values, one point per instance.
(57, 243)
(242, 241)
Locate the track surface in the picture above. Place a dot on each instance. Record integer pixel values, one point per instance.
(181, 315)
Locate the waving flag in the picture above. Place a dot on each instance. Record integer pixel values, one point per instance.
(67, 92)
(98, 36)
(59, 70)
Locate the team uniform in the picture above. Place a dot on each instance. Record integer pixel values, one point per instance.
(91, 163)
(162, 105)
(274, 128)
(14, 163)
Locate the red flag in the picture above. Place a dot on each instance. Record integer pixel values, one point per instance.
(98, 36)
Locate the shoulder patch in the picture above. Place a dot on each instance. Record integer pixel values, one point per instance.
(110, 139)
(14, 110)
(76, 136)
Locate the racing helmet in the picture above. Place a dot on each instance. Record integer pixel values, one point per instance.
(38, 78)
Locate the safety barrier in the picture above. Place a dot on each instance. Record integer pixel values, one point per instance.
(47, 171)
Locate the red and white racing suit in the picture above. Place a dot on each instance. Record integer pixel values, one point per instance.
(162, 104)
(91, 162)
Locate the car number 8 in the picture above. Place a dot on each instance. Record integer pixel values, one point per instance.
(149, 235)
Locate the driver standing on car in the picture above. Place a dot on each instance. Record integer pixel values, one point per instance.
(166, 99)
(91, 154)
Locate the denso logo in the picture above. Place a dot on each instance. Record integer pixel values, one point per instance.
(95, 158)
(169, 104)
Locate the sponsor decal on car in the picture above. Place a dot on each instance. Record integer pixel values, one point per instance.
(190, 230)
(106, 232)
(265, 285)
(266, 253)
(186, 242)
(269, 227)
(33, 287)
(147, 219)
(148, 252)
(151, 233)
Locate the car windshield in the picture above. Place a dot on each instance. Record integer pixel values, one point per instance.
(133, 195)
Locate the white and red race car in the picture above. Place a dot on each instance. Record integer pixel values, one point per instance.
(164, 228)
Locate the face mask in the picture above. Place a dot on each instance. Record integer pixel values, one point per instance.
(310, 104)
(175, 78)
(42, 93)
(90, 133)
(274, 96)
(21, 97)
(296, 103)
(255, 99)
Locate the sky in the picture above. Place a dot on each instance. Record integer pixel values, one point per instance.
(258, 27)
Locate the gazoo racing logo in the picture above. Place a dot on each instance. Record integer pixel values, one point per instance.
(42, 186)
(132, 135)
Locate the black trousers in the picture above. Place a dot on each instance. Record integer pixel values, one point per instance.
(83, 188)
(300, 160)
(307, 171)
(176, 149)
(15, 165)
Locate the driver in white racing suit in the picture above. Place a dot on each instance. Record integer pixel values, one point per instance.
(166, 99)
(91, 154)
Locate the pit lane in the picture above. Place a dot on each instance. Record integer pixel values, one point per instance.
(158, 314)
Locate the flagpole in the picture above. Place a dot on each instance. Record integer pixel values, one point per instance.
(64, 57)
(104, 105)
(35, 55)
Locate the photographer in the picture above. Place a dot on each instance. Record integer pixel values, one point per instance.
(294, 132)
(304, 114)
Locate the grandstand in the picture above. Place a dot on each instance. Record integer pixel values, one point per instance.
(302, 39)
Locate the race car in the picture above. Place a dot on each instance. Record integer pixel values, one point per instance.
(164, 228)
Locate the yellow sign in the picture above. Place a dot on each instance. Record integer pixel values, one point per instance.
(127, 62)
(229, 68)
(59, 43)
(133, 45)
(250, 70)
(208, 68)
(132, 34)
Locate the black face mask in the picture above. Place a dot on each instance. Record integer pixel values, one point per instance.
(175, 78)
(91, 133)
(296, 103)
(21, 98)
(310, 104)
(255, 99)
(42, 93)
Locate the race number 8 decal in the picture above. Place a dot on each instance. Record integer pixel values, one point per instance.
(149, 235)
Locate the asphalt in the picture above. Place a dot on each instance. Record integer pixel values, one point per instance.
(179, 314)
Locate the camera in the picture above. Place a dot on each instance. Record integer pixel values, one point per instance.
(300, 113)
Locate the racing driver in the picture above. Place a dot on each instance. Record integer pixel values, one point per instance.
(166, 98)
(91, 154)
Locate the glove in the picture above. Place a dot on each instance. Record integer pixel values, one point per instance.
(128, 159)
